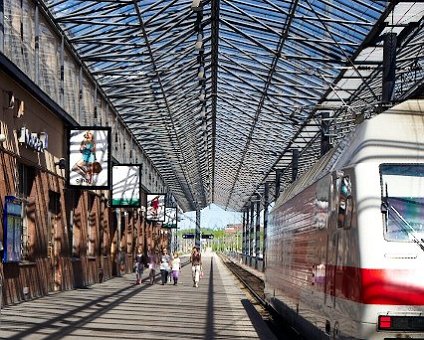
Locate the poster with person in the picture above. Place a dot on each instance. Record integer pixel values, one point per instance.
(155, 210)
(89, 157)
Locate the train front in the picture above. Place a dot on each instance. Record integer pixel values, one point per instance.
(392, 256)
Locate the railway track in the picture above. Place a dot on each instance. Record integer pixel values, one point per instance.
(254, 288)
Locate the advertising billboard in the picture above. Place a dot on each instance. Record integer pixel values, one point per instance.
(12, 232)
(170, 218)
(155, 210)
(89, 157)
(126, 185)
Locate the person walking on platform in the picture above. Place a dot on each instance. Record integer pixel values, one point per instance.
(153, 259)
(164, 265)
(176, 267)
(196, 265)
(140, 262)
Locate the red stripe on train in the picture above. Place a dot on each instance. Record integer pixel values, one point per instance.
(393, 286)
(378, 286)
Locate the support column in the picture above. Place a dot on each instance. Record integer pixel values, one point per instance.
(325, 132)
(247, 236)
(389, 67)
(197, 233)
(118, 240)
(257, 231)
(266, 204)
(295, 164)
(243, 234)
(251, 232)
(143, 225)
(277, 183)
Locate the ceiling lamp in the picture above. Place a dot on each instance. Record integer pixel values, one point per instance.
(201, 73)
(196, 5)
(202, 95)
(199, 42)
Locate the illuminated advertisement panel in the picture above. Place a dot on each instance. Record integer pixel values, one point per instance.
(126, 185)
(12, 232)
(170, 218)
(155, 210)
(89, 157)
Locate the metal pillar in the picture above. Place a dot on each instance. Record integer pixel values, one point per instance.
(295, 164)
(246, 236)
(325, 131)
(257, 231)
(389, 66)
(243, 249)
(266, 204)
(118, 240)
(251, 232)
(144, 231)
(277, 183)
(197, 233)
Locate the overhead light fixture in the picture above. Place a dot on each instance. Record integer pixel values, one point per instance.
(196, 5)
(202, 95)
(203, 112)
(199, 42)
(201, 73)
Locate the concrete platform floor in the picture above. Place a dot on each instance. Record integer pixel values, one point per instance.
(119, 309)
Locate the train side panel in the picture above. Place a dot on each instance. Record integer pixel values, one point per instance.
(334, 274)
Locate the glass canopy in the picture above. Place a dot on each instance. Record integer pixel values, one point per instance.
(219, 93)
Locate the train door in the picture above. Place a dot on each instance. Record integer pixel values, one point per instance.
(330, 282)
(340, 222)
(332, 245)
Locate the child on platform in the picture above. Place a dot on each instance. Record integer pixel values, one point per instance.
(176, 267)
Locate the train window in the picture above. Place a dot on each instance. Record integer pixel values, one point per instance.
(344, 217)
(402, 188)
(322, 202)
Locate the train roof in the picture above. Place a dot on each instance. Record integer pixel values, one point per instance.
(395, 135)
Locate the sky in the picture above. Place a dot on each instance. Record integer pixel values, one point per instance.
(210, 217)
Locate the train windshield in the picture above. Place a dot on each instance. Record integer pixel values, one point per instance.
(403, 201)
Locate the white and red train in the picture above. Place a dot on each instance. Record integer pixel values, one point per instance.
(345, 244)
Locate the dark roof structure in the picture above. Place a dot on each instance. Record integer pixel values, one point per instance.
(221, 93)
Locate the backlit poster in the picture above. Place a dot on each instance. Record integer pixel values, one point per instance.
(12, 232)
(170, 218)
(126, 185)
(89, 157)
(155, 210)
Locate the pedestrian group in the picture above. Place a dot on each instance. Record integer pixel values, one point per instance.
(169, 267)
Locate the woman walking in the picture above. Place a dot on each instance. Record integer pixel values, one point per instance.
(164, 265)
(140, 262)
(196, 265)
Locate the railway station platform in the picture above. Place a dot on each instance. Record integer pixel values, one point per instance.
(117, 308)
